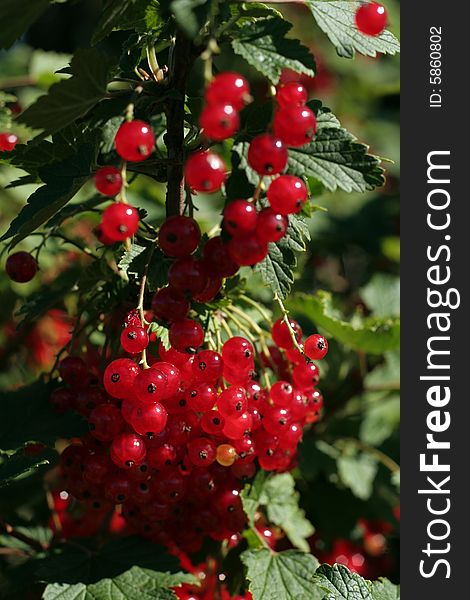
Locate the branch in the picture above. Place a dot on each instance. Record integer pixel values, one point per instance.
(22, 537)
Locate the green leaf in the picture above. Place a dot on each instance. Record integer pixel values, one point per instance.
(278, 496)
(129, 263)
(137, 15)
(63, 179)
(71, 98)
(20, 463)
(358, 472)
(190, 15)
(372, 335)
(383, 589)
(264, 46)
(382, 295)
(341, 584)
(134, 584)
(381, 420)
(16, 16)
(386, 375)
(281, 576)
(337, 20)
(27, 416)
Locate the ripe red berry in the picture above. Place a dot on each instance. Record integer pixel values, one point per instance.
(173, 378)
(292, 93)
(232, 402)
(219, 121)
(371, 18)
(7, 141)
(205, 171)
(287, 194)
(212, 422)
(119, 221)
(134, 140)
(170, 487)
(306, 376)
(276, 420)
(169, 304)
(187, 275)
(134, 339)
(243, 470)
(237, 352)
(210, 291)
(207, 366)
(216, 258)
(281, 334)
(281, 393)
(201, 397)
(246, 449)
(118, 487)
(316, 347)
(96, 468)
(179, 236)
(127, 450)
(119, 377)
(105, 422)
(235, 428)
(247, 250)
(74, 371)
(290, 438)
(267, 155)
(228, 88)
(240, 217)
(150, 385)
(179, 359)
(202, 451)
(149, 419)
(108, 181)
(186, 335)
(271, 226)
(295, 125)
(21, 267)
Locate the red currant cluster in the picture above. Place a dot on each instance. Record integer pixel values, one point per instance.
(371, 18)
(173, 443)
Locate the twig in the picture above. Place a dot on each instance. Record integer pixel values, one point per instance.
(285, 318)
(22, 537)
(378, 454)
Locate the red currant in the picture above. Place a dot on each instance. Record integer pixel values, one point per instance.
(371, 18)
(276, 420)
(281, 393)
(134, 140)
(150, 385)
(281, 334)
(173, 378)
(108, 181)
(267, 155)
(291, 438)
(127, 450)
(240, 217)
(7, 141)
(179, 236)
(216, 258)
(316, 347)
(212, 422)
(226, 455)
(162, 456)
(306, 376)
(232, 402)
(202, 451)
(287, 194)
(120, 221)
(96, 468)
(207, 366)
(106, 422)
(228, 88)
(292, 93)
(149, 419)
(219, 121)
(187, 275)
(246, 449)
(247, 250)
(237, 352)
(210, 291)
(295, 125)
(119, 377)
(74, 371)
(186, 335)
(271, 226)
(205, 171)
(169, 304)
(134, 339)
(62, 399)
(118, 488)
(21, 267)
(237, 428)
(170, 487)
(179, 359)
(201, 397)
(243, 470)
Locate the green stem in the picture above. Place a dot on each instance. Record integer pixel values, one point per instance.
(285, 318)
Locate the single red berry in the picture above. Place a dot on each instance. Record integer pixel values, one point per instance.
(187, 275)
(134, 339)
(271, 226)
(21, 267)
(127, 450)
(240, 217)
(73, 458)
(316, 347)
(162, 456)
(247, 250)
(281, 334)
(281, 393)
(179, 236)
(371, 18)
(108, 181)
(292, 93)
(205, 171)
(298, 405)
(267, 155)
(232, 402)
(173, 378)
(216, 258)
(74, 371)
(96, 468)
(7, 141)
(243, 470)
(295, 125)
(179, 359)
(169, 304)
(186, 335)
(134, 140)
(105, 422)
(119, 221)
(287, 194)
(149, 419)
(210, 291)
(119, 377)
(202, 451)
(149, 385)
(201, 397)
(118, 487)
(246, 448)
(101, 237)
(295, 356)
(228, 88)
(219, 121)
(170, 487)
(314, 400)
(237, 352)
(89, 398)
(235, 428)
(212, 422)
(291, 438)
(306, 376)
(207, 366)
(276, 420)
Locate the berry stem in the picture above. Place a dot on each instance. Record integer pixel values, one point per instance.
(154, 67)
(257, 307)
(285, 318)
(140, 305)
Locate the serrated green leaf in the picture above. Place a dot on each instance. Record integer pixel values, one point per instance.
(27, 416)
(71, 98)
(264, 46)
(137, 15)
(342, 584)
(358, 472)
(337, 20)
(383, 589)
(20, 463)
(281, 576)
(16, 16)
(251, 495)
(134, 584)
(128, 263)
(382, 295)
(372, 335)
